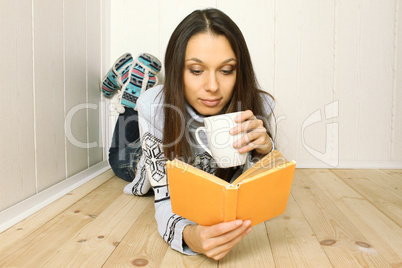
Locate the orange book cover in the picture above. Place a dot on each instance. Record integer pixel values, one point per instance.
(259, 194)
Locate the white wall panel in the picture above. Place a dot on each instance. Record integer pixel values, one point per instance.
(95, 152)
(51, 59)
(364, 75)
(76, 84)
(135, 27)
(106, 11)
(397, 99)
(49, 92)
(303, 73)
(17, 157)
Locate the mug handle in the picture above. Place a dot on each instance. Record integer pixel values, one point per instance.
(197, 136)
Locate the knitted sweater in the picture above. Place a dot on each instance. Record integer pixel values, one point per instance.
(151, 169)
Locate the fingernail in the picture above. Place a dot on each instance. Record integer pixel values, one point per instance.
(235, 144)
(248, 230)
(238, 222)
(247, 223)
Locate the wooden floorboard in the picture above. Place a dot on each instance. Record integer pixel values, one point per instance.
(92, 246)
(33, 222)
(142, 243)
(335, 232)
(36, 248)
(294, 243)
(334, 218)
(372, 223)
(381, 195)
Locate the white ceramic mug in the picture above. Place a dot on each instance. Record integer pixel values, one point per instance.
(221, 141)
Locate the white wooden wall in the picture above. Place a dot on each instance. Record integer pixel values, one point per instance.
(334, 67)
(51, 62)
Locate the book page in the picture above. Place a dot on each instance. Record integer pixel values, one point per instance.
(189, 168)
(267, 163)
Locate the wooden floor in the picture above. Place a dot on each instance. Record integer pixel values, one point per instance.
(334, 218)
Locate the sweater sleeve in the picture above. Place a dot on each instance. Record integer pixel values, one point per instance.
(153, 167)
(268, 104)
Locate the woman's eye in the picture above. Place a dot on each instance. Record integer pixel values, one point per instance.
(226, 72)
(196, 72)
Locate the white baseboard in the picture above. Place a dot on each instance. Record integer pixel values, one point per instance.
(29, 206)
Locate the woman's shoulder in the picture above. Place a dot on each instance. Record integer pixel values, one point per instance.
(267, 102)
(153, 95)
(151, 100)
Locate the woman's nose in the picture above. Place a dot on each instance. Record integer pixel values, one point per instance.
(212, 83)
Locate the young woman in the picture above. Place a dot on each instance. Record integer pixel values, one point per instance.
(208, 72)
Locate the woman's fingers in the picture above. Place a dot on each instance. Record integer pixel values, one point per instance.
(224, 249)
(228, 236)
(223, 228)
(249, 123)
(244, 116)
(217, 240)
(256, 139)
(221, 245)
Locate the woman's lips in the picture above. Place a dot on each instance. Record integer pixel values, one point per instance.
(210, 102)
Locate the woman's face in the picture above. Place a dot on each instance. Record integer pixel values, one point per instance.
(209, 73)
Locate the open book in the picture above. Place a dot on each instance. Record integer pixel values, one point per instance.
(259, 194)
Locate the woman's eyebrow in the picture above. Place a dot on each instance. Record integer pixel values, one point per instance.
(195, 59)
(229, 60)
(200, 61)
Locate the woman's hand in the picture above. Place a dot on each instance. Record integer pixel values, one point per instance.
(217, 240)
(256, 137)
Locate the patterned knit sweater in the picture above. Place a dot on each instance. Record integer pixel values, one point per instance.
(151, 169)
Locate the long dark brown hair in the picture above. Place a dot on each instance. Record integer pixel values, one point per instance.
(246, 93)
